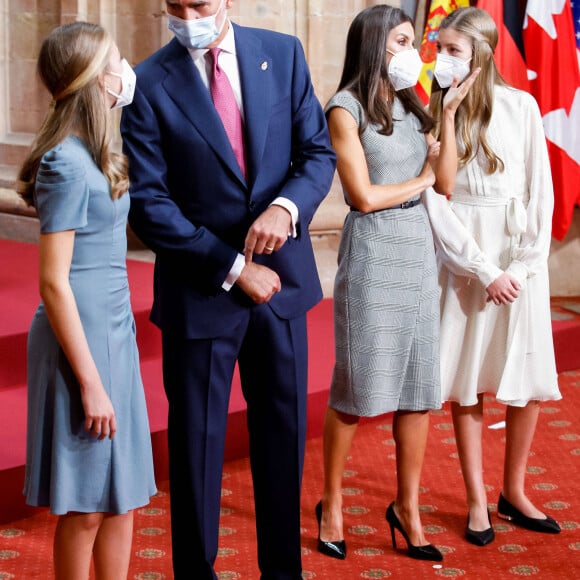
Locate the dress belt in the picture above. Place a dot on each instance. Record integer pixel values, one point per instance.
(404, 205)
(479, 200)
(516, 216)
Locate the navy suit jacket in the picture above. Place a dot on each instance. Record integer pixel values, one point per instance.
(189, 201)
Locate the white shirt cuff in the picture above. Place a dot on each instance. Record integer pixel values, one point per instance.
(488, 273)
(291, 207)
(235, 272)
(519, 271)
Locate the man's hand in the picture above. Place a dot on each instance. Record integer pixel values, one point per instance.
(268, 233)
(503, 290)
(259, 282)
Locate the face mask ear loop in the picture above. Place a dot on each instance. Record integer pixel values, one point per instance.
(112, 92)
(108, 89)
(125, 97)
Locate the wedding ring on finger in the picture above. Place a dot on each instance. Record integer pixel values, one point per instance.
(269, 248)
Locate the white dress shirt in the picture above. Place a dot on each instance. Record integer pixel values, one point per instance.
(229, 64)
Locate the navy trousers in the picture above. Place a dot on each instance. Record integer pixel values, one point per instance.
(272, 357)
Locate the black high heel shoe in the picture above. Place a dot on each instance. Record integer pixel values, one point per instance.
(507, 511)
(333, 549)
(428, 552)
(482, 538)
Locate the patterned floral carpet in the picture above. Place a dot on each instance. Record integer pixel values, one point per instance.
(554, 469)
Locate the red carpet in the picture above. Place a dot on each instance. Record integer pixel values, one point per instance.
(556, 448)
(19, 296)
(369, 486)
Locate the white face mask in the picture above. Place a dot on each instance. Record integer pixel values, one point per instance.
(448, 67)
(405, 68)
(196, 33)
(128, 81)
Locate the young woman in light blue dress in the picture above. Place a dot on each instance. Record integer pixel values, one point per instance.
(88, 441)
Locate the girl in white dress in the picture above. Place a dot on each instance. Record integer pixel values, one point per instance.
(493, 240)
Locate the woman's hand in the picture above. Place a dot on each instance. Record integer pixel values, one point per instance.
(503, 290)
(433, 149)
(100, 418)
(457, 92)
(427, 174)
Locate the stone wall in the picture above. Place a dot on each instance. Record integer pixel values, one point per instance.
(139, 28)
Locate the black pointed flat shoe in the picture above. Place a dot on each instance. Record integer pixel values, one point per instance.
(507, 511)
(333, 549)
(482, 538)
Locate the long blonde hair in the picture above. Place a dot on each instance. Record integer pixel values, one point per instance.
(474, 114)
(71, 63)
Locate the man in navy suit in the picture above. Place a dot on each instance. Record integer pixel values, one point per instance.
(235, 271)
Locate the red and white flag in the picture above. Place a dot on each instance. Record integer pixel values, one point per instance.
(438, 10)
(510, 61)
(550, 47)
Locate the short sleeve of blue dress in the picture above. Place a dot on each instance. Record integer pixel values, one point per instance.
(62, 193)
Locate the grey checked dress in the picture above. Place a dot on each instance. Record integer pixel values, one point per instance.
(386, 296)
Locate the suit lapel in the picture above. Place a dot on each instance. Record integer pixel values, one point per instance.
(256, 81)
(184, 86)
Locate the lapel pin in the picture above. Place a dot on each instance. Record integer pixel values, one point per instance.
(264, 66)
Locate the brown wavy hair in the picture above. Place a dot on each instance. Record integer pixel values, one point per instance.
(365, 71)
(474, 113)
(71, 64)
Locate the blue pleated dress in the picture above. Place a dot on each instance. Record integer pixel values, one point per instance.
(66, 468)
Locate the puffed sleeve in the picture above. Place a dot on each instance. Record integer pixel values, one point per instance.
(456, 247)
(531, 253)
(61, 192)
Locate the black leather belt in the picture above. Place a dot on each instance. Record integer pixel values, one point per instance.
(406, 204)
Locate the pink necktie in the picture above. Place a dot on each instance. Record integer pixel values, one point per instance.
(227, 108)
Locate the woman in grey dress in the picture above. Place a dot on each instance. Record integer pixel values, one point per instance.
(386, 292)
(88, 440)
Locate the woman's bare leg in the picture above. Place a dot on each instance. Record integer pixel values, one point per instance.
(74, 540)
(410, 430)
(112, 551)
(468, 426)
(339, 431)
(520, 428)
